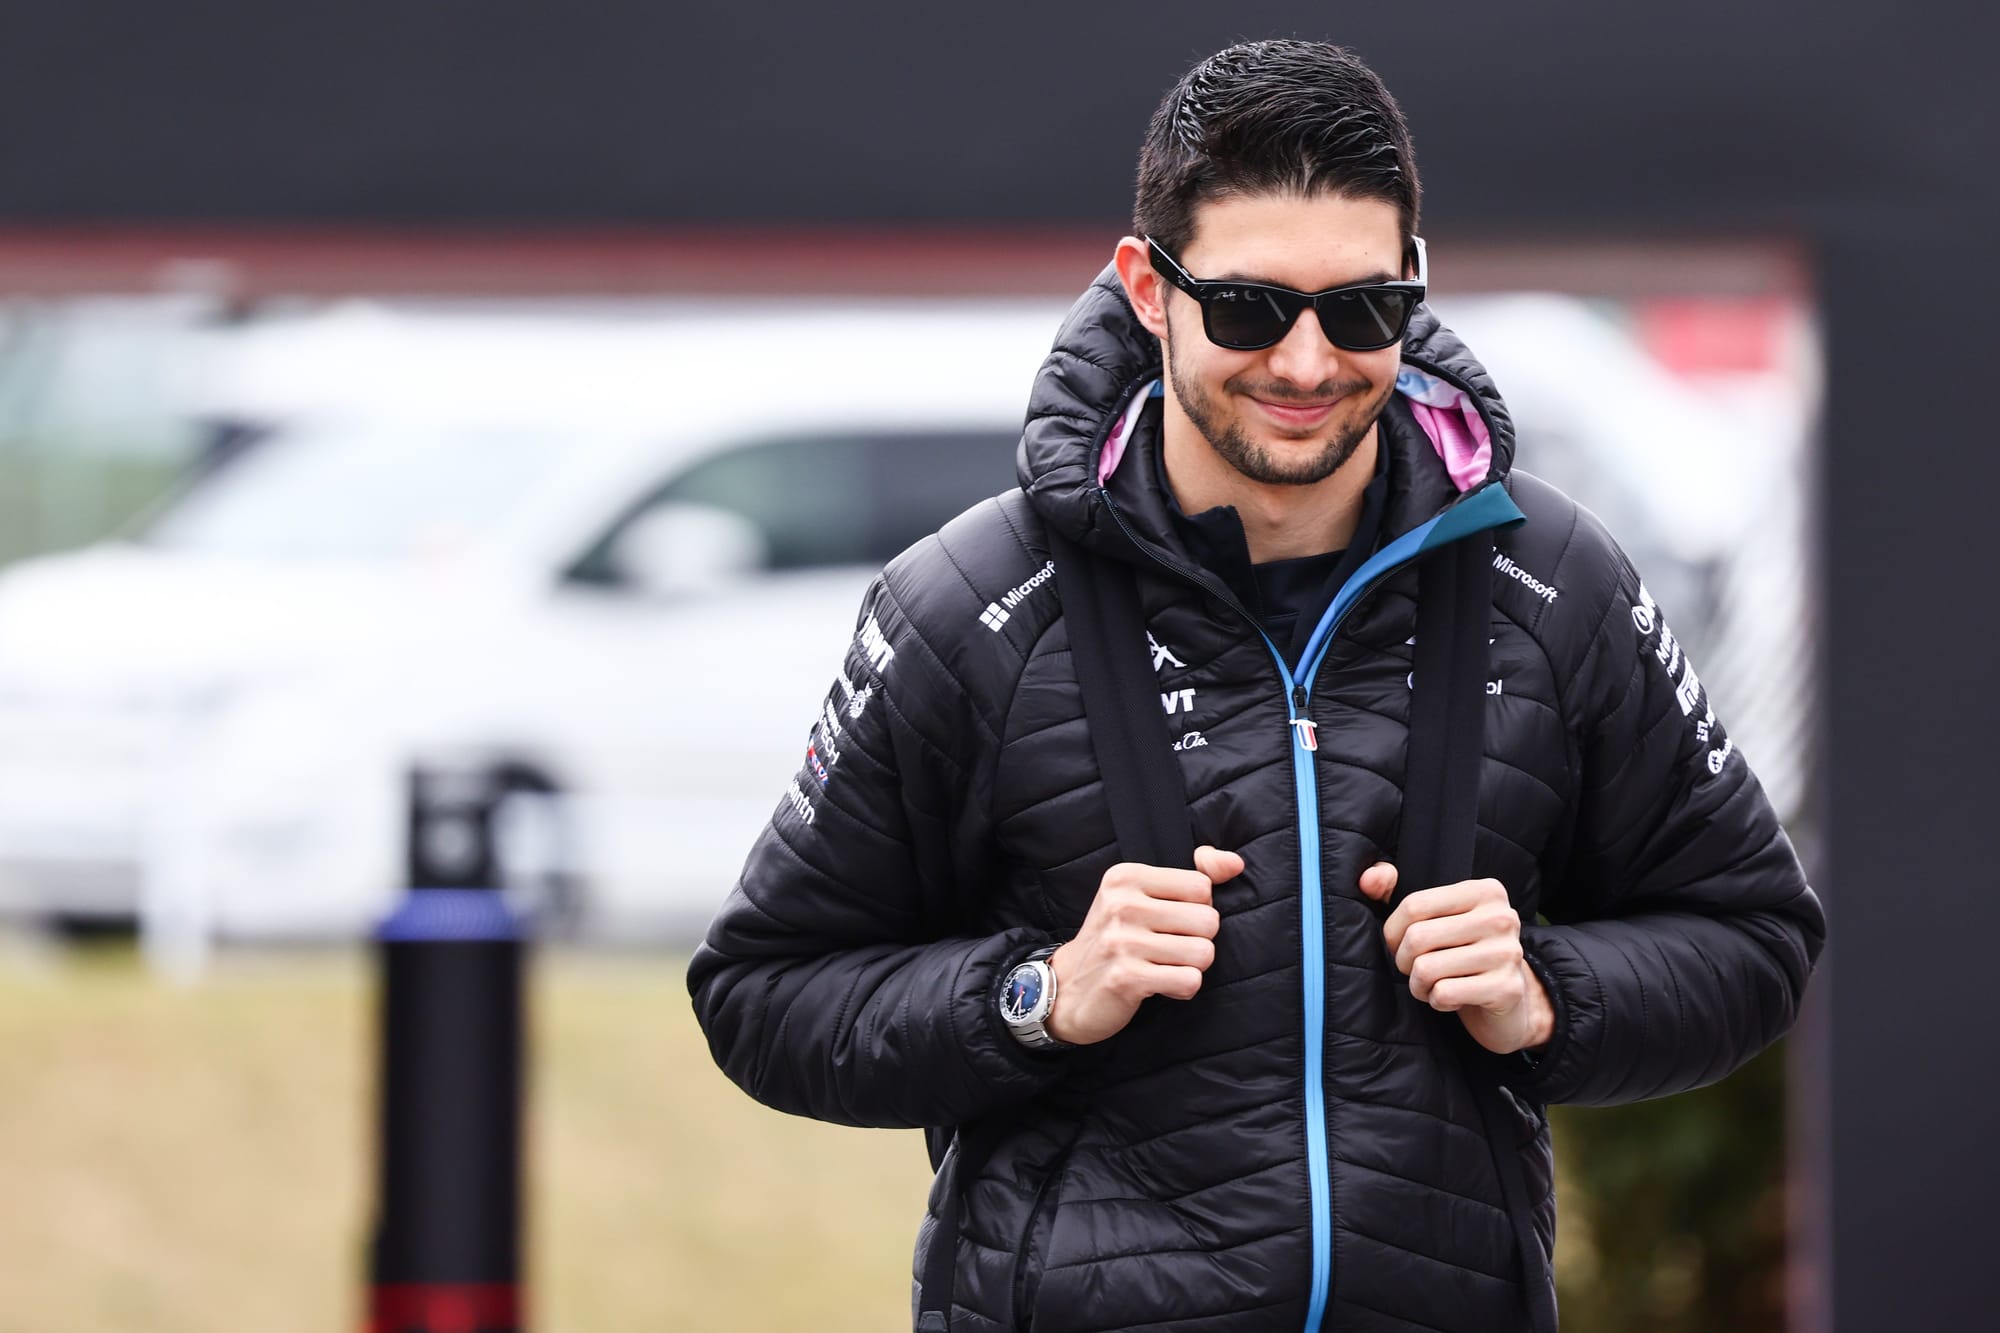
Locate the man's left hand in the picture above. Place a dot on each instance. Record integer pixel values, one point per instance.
(1460, 946)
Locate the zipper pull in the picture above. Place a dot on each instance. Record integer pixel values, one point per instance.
(1308, 733)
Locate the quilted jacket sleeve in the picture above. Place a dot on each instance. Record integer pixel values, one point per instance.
(1683, 931)
(838, 980)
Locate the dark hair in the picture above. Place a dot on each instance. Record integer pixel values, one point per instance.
(1277, 117)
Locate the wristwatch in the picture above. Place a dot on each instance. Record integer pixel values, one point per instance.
(1027, 998)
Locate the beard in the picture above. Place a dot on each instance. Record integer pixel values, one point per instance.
(1233, 444)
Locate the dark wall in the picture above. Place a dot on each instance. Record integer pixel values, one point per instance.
(1864, 131)
(1709, 114)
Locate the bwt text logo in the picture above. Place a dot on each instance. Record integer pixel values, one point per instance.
(875, 645)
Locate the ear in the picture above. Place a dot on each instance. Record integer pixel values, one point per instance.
(1144, 287)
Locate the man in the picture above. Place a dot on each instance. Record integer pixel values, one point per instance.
(1234, 1113)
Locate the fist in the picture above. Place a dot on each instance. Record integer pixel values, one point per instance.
(1460, 946)
(1149, 931)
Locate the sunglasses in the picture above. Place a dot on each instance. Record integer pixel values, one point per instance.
(1249, 316)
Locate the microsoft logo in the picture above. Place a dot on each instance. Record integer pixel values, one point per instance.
(993, 617)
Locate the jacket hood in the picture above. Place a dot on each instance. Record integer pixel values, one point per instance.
(1089, 389)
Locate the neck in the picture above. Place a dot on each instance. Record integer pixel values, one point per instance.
(1279, 522)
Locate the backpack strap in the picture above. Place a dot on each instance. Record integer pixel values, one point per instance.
(1149, 816)
(1440, 814)
(1447, 718)
(1128, 729)
(975, 1145)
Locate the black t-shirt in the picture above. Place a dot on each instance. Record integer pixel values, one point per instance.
(1287, 588)
(1287, 597)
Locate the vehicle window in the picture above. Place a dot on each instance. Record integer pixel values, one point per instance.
(374, 494)
(832, 500)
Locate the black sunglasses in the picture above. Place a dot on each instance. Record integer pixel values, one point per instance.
(1248, 316)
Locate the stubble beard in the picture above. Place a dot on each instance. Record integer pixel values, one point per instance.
(1234, 445)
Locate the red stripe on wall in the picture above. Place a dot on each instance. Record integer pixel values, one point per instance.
(248, 264)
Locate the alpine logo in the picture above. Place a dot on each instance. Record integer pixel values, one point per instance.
(1524, 578)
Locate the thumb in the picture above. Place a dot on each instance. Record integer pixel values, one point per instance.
(1379, 881)
(1217, 864)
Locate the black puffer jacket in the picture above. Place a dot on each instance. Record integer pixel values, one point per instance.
(1288, 1149)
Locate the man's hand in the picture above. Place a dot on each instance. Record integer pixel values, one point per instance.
(1150, 931)
(1460, 946)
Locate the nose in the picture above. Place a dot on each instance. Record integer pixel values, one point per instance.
(1304, 357)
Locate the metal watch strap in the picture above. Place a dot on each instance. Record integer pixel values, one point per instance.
(1036, 1035)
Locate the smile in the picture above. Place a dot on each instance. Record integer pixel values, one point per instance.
(1297, 416)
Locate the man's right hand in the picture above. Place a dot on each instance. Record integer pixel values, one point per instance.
(1150, 931)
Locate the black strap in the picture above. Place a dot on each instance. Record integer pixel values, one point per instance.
(1440, 812)
(1149, 814)
(1128, 728)
(1447, 720)
(975, 1145)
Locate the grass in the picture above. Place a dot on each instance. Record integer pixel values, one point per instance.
(199, 1158)
(193, 1159)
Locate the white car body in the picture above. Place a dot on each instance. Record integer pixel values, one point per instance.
(223, 745)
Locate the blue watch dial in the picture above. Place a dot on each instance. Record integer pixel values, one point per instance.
(1023, 992)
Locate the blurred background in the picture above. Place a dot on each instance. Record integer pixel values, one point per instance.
(527, 399)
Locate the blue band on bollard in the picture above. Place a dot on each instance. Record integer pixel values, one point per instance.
(451, 914)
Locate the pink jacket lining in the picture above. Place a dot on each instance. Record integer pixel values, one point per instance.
(1449, 418)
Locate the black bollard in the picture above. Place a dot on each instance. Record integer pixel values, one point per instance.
(446, 1249)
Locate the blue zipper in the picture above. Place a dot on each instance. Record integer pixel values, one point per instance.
(1488, 507)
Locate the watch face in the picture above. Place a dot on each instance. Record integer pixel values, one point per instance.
(1021, 994)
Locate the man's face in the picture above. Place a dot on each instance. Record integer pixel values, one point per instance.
(1293, 413)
